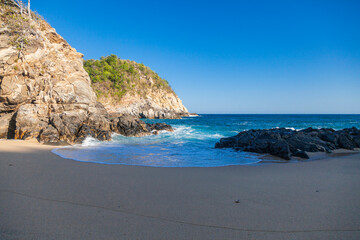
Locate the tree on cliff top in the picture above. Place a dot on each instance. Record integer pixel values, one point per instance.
(20, 4)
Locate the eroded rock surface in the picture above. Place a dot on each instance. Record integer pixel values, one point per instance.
(156, 104)
(286, 143)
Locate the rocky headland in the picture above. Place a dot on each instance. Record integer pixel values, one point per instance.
(45, 93)
(287, 143)
(130, 88)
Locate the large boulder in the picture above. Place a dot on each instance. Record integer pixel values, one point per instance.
(49, 135)
(91, 131)
(129, 126)
(30, 120)
(68, 124)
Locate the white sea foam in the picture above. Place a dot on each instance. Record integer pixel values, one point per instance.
(188, 132)
(291, 128)
(90, 141)
(182, 133)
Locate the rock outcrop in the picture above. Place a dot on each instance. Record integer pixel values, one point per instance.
(132, 126)
(286, 143)
(45, 93)
(158, 105)
(160, 127)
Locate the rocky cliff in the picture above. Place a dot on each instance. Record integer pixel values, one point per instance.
(43, 85)
(45, 93)
(127, 87)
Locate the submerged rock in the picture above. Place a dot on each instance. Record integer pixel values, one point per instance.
(286, 143)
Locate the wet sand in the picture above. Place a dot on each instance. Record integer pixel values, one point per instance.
(43, 196)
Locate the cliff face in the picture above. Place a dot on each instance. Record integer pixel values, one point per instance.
(43, 85)
(127, 87)
(153, 104)
(46, 94)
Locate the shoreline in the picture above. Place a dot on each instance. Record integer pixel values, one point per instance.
(44, 196)
(29, 145)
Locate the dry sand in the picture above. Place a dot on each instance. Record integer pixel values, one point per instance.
(43, 196)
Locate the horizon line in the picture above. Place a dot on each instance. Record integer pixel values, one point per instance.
(279, 113)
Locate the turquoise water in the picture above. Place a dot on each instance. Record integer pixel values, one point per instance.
(192, 142)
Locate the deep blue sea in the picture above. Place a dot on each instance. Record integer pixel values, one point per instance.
(192, 143)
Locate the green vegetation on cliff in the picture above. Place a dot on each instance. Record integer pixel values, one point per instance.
(115, 77)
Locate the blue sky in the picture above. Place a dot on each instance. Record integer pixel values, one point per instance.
(228, 56)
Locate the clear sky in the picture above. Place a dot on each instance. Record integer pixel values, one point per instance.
(228, 56)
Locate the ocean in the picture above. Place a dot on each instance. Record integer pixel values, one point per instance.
(192, 143)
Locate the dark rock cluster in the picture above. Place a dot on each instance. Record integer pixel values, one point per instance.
(75, 130)
(286, 143)
(156, 127)
(131, 126)
(74, 126)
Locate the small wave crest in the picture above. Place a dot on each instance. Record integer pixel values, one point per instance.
(189, 132)
(90, 141)
(290, 128)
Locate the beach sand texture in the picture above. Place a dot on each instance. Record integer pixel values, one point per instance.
(43, 196)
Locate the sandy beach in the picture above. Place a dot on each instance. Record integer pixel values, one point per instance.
(43, 196)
